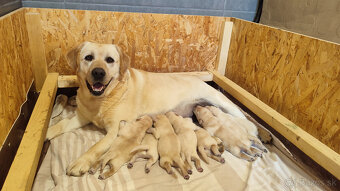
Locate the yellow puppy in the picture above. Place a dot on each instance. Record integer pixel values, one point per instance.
(184, 128)
(234, 137)
(148, 150)
(207, 144)
(169, 146)
(230, 121)
(130, 135)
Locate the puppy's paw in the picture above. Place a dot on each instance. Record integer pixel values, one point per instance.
(129, 165)
(79, 167)
(54, 131)
(265, 136)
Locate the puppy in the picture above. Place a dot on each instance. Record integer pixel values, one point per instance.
(207, 144)
(233, 122)
(130, 135)
(184, 128)
(234, 137)
(169, 147)
(64, 108)
(147, 150)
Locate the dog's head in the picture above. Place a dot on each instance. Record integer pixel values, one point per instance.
(200, 113)
(98, 66)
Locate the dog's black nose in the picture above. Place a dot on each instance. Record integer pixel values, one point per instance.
(98, 73)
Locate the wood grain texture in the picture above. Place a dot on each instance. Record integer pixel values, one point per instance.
(22, 171)
(15, 68)
(154, 42)
(319, 152)
(224, 47)
(39, 65)
(296, 75)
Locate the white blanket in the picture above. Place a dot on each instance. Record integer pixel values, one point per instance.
(272, 172)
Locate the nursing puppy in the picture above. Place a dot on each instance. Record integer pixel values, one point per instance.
(130, 135)
(206, 144)
(227, 132)
(230, 121)
(147, 150)
(109, 92)
(169, 146)
(184, 128)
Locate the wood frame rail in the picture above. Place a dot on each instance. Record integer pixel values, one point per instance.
(23, 169)
(319, 152)
(37, 48)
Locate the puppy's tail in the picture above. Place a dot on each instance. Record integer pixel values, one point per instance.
(171, 172)
(203, 154)
(139, 148)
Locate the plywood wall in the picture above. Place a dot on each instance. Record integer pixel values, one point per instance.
(294, 74)
(15, 68)
(154, 42)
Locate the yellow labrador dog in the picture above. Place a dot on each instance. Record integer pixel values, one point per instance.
(109, 92)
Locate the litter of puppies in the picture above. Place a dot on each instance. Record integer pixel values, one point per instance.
(177, 142)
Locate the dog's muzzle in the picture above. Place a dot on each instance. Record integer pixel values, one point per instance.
(97, 88)
(98, 74)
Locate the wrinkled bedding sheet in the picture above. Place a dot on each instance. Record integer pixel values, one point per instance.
(272, 172)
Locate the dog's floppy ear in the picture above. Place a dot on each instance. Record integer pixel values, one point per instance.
(72, 56)
(124, 63)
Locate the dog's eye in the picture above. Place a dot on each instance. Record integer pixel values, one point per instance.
(109, 60)
(89, 57)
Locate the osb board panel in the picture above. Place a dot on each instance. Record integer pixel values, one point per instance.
(15, 68)
(154, 42)
(296, 75)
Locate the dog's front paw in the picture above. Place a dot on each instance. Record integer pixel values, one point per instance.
(79, 167)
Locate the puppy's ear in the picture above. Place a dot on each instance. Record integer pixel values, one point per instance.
(72, 56)
(124, 63)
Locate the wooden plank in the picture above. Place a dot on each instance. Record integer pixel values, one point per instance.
(24, 166)
(15, 68)
(35, 35)
(295, 74)
(165, 43)
(68, 81)
(205, 76)
(319, 152)
(224, 47)
(220, 45)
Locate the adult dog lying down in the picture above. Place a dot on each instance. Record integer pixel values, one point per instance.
(109, 91)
